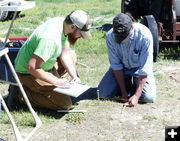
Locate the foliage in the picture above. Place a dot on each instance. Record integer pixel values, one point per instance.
(74, 118)
(170, 51)
(96, 45)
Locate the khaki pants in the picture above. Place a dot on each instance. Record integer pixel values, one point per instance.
(41, 94)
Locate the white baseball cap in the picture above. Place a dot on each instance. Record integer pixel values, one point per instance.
(82, 20)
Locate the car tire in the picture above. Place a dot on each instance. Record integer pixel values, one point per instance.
(150, 22)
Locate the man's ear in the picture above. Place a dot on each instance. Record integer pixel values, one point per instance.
(73, 27)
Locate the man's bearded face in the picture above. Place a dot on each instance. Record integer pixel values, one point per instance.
(72, 37)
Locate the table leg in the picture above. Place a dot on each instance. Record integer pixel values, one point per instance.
(10, 27)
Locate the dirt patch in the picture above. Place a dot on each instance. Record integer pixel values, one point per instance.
(173, 73)
(105, 122)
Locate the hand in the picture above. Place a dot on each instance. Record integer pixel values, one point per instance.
(63, 83)
(75, 80)
(133, 101)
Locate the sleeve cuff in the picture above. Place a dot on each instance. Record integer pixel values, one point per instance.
(117, 67)
(143, 73)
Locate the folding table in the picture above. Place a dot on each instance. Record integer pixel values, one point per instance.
(4, 52)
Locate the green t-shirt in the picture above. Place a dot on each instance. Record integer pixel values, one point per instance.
(47, 42)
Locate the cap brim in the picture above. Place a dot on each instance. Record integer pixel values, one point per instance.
(86, 34)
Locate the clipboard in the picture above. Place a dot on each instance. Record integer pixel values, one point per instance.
(75, 90)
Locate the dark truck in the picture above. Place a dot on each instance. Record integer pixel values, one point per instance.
(162, 17)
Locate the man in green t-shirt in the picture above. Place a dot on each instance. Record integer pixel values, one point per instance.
(44, 59)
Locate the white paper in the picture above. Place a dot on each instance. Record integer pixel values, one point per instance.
(75, 90)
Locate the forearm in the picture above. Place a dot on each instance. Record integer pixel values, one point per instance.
(34, 68)
(69, 65)
(141, 83)
(45, 76)
(120, 79)
(66, 60)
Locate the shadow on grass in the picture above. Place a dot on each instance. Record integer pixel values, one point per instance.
(89, 94)
(39, 111)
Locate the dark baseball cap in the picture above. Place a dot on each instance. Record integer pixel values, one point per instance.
(122, 24)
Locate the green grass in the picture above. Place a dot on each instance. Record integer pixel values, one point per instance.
(51, 8)
(170, 52)
(159, 76)
(74, 118)
(149, 117)
(22, 118)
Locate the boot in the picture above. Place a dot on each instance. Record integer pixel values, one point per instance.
(12, 99)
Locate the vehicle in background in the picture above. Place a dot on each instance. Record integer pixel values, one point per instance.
(162, 17)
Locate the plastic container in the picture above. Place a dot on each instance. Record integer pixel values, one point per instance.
(177, 7)
(5, 71)
(6, 74)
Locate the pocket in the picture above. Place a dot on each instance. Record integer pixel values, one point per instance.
(135, 56)
(136, 51)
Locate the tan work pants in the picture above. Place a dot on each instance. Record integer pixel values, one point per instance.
(41, 94)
